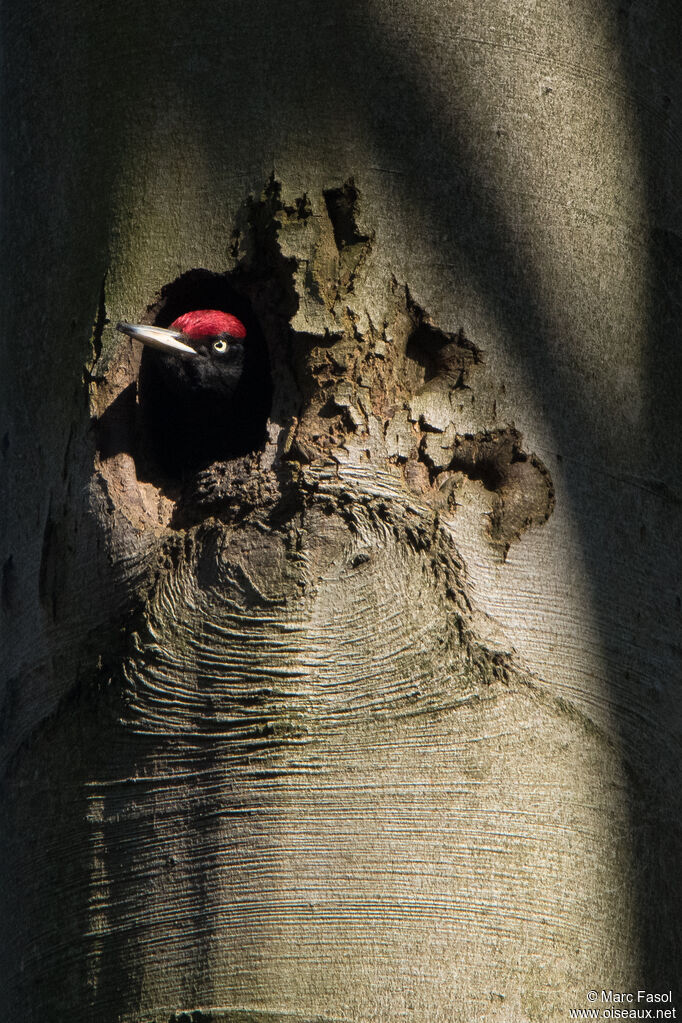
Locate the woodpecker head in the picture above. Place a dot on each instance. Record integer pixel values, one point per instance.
(202, 350)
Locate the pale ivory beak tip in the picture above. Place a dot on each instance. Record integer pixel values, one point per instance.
(156, 337)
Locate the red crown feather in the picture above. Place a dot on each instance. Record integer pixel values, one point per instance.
(208, 323)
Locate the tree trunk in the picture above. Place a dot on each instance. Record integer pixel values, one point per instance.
(380, 720)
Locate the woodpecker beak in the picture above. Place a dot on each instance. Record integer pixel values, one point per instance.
(157, 337)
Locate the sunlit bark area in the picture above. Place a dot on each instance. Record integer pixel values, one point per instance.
(379, 720)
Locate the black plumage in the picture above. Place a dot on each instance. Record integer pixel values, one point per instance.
(205, 390)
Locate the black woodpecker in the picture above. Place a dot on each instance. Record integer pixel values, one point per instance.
(205, 389)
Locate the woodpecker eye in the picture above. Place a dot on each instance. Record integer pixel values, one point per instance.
(220, 346)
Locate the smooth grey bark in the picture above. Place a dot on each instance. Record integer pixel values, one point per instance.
(384, 720)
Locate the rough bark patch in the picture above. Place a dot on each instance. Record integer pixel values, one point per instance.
(361, 372)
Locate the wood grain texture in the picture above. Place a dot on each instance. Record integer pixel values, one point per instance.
(293, 797)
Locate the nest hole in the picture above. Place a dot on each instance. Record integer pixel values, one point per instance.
(185, 425)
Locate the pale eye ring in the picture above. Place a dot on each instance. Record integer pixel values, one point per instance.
(220, 346)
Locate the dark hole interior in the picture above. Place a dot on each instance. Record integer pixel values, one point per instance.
(187, 421)
(425, 346)
(488, 471)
